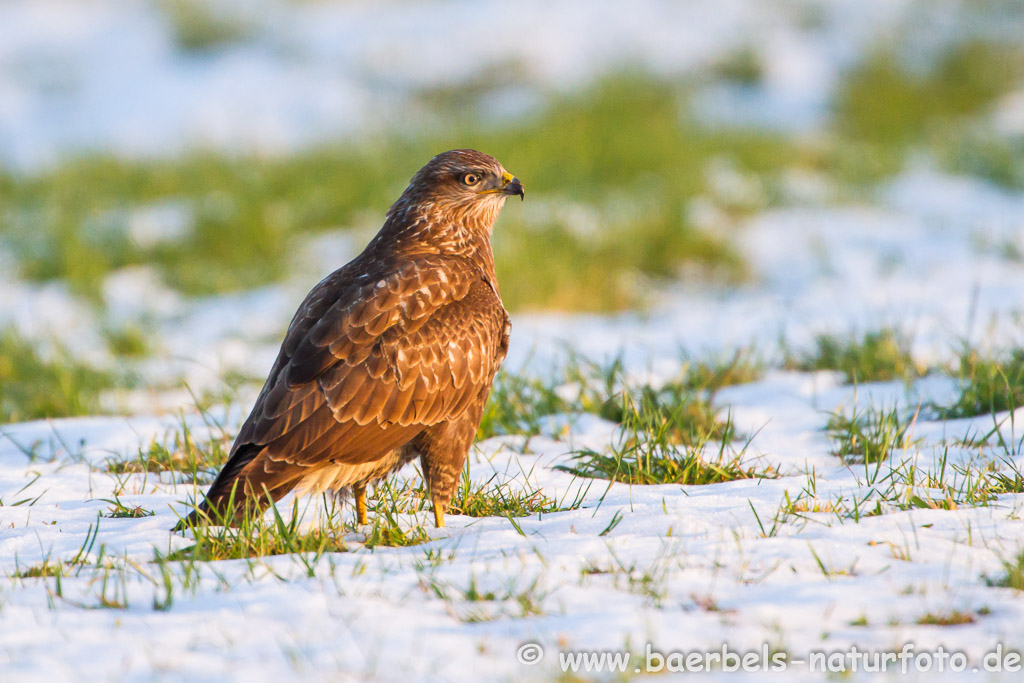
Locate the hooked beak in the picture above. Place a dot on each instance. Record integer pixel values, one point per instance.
(512, 186)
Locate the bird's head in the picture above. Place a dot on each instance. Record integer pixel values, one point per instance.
(464, 181)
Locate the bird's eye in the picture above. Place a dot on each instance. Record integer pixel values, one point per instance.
(471, 178)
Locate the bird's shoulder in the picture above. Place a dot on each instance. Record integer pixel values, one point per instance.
(344, 317)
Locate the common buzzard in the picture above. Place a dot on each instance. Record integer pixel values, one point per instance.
(389, 358)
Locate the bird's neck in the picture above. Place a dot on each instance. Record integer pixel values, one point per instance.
(466, 235)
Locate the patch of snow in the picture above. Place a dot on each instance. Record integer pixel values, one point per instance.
(1008, 116)
(168, 221)
(138, 294)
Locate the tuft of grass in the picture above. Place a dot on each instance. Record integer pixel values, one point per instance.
(902, 485)
(674, 414)
(33, 386)
(491, 499)
(120, 510)
(253, 536)
(613, 270)
(662, 444)
(878, 356)
(1014, 576)
(45, 569)
(988, 155)
(1009, 480)
(127, 342)
(197, 27)
(954, 618)
(988, 384)
(517, 402)
(182, 454)
(511, 602)
(387, 531)
(741, 66)
(869, 436)
(486, 499)
(743, 367)
(883, 102)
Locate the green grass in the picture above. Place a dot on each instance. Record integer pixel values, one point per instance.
(868, 436)
(879, 356)
(119, 510)
(884, 107)
(180, 453)
(678, 414)
(386, 530)
(710, 375)
(255, 537)
(954, 618)
(128, 341)
(1014, 574)
(741, 66)
(35, 386)
(1005, 479)
(490, 498)
(900, 484)
(666, 442)
(45, 569)
(196, 26)
(516, 405)
(636, 465)
(988, 384)
(518, 402)
(624, 149)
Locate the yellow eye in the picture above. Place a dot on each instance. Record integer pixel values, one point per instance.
(471, 178)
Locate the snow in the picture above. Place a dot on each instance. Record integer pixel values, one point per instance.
(1008, 116)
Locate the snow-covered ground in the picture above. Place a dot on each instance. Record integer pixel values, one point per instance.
(679, 568)
(685, 568)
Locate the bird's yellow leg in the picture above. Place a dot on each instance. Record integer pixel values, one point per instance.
(360, 505)
(438, 516)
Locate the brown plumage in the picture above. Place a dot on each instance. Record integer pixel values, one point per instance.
(389, 358)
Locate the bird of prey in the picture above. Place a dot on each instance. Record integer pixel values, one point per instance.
(391, 357)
